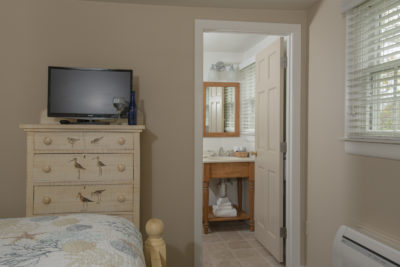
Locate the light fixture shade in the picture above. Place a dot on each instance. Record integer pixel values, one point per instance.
(232, 75)
(220, 66)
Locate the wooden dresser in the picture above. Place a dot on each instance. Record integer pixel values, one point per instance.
(83, 168)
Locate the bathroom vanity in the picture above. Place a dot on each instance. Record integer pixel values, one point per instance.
(228, 167)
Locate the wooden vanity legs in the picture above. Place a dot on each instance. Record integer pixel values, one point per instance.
(239, 192)
(206, 183)
(251, 196)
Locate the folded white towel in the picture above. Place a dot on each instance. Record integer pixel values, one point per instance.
(225, 205)
(222, 200)
(225, 213)
(216, 207)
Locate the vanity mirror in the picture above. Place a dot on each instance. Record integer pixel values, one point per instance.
(221, 103)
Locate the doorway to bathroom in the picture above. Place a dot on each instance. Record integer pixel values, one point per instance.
(225, 53)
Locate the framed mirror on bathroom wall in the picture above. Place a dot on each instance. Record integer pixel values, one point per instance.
(221, 104)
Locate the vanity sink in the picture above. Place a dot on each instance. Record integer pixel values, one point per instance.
(222, 167)
(217, 159)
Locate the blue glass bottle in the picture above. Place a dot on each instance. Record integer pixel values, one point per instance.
(132, 113)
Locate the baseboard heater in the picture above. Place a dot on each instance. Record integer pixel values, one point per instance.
(352, 248)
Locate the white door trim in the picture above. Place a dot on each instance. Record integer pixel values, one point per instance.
(293, 118)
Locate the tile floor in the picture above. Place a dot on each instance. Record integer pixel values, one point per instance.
(231, 244)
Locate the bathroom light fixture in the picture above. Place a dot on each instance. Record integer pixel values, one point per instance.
(222, 71)
(220, 66)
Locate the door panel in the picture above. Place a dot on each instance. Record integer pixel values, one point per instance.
(216, 109)
(269, 136)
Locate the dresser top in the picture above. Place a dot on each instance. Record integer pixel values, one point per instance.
(81, 127)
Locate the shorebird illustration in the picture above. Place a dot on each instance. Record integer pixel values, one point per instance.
(78, 166)
(84, 200)
(72, 140)
(97, 194)
(96, 140)
(100, 164)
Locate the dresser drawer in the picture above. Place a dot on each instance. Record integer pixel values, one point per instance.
(96, 141)
(90, 198)
(82, 167)
(82, 141)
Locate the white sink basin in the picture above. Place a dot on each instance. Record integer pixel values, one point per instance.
(216, 159)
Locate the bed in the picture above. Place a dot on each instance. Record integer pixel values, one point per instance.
(79, 240)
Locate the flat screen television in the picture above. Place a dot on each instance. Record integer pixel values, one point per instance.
(87, 93)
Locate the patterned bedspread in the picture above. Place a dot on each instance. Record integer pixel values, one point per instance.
(70, 240)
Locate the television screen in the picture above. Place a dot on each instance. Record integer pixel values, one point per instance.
(87, 93)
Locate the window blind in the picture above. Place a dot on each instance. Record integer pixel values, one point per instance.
(373, 70)
(247, 99)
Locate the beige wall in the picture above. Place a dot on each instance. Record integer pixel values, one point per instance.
(342, 189)
(158, 43)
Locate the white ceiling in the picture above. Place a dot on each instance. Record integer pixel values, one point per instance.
(274, 4)
(230, 42)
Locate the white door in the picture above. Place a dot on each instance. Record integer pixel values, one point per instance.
(216, 110)
(269, 136)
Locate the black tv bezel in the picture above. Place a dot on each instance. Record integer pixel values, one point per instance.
(82, 115)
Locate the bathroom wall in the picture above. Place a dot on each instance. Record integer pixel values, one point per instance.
(242, 59)
(227, 143)
(214, 143)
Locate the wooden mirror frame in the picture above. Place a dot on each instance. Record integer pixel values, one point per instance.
(237, 109)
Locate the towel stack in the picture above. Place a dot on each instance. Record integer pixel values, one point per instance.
(224, 208)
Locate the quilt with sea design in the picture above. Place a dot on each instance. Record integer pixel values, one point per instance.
(70, 240)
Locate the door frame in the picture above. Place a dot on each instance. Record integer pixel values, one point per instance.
(293, 118)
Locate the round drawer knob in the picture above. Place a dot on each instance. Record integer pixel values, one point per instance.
(121, 198)
(121, 141)
(46, 169)
(46, 200)
(121, 167)
(47, 141)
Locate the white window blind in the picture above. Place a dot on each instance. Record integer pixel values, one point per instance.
(247, 99)
(373, 70)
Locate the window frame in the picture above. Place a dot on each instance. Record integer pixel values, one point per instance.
(373, 142)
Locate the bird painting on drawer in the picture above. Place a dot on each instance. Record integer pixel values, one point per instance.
(72, 140)
(97, 194)
(78, 166)
(96, 140)
(84, 200)
(100, 165)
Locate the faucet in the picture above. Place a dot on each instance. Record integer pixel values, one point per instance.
(221, 151)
